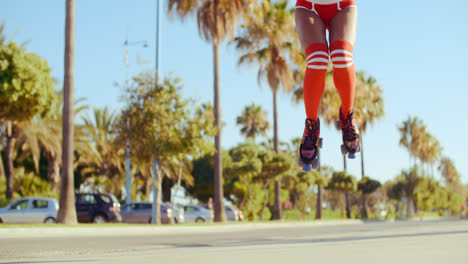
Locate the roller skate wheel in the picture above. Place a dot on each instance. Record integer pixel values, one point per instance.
(320, 143)
(344, 151)
(338, 125)
(306, 167)
(351, 156)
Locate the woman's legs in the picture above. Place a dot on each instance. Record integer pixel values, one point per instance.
(312, 35)
(342, 29)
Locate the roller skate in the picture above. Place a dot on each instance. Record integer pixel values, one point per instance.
(308, 150)
(350, 134)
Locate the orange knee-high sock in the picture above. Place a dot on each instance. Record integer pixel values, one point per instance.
(344, 73)
(314, 78)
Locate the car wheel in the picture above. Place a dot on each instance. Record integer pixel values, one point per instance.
(199, 220)
(1, 221)
(150, 220)
(49, 220)
(99, 219)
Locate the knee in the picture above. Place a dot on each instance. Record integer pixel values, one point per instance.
(341, 54)
(317, 56)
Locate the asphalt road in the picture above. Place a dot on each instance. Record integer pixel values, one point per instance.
(437, 241)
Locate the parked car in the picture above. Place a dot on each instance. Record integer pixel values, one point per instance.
(142, 213)
(97, 208)
(233, 214)
(197, 213)
(29, 210)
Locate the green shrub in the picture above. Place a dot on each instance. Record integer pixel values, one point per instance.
(26, 184)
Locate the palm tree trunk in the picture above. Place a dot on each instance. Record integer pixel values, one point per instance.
(9, 153)
(344, 163)
(179, 177)
(156, 186)
(2, 167)
(265, 202)
(67, 211)
(318, 206)
(362, 158)
(148, 182)
(277, 206)
(364, 214)
(348, 209)
(220, 215)
(408, 208)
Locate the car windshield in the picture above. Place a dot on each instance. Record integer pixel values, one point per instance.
(19, 205)
(114, 199)
(105, 198)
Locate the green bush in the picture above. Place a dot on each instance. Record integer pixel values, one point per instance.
(327, 214)
(26, 184)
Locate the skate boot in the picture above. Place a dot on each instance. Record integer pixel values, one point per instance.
(350, 134)
(308, 150)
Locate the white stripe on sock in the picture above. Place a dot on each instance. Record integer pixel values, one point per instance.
(342, 59)
(317, 53)
(317, 60)
(342, 65)
(341, 51)
(317, 67)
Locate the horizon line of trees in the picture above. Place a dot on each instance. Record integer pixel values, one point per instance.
(264, 34)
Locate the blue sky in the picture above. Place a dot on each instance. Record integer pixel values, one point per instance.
(415, 49)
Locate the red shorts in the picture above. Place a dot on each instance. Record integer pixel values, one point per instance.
(325, 12)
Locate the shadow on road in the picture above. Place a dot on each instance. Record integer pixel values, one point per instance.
(57, 261)
(310, 241)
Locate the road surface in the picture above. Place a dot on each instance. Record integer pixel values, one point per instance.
(431, 241)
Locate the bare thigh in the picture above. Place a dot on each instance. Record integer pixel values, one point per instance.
(343, 25)
(310, 28)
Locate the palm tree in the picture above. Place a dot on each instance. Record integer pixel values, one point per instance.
(421, 144)
(342, 181)
(253, 122)
(449, 171)
(216, 20)
(429, 151)
(44, 135)
(108, 159)
(266, 39)
(67, 211)
(368, 107)
(410, 130)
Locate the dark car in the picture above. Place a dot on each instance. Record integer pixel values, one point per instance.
(97, 208)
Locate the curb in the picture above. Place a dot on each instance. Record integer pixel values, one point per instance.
(93, 231)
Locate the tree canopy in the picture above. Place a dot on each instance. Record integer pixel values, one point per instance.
(26, 86)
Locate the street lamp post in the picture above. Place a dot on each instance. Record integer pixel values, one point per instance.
(156, 191)
(144, 44)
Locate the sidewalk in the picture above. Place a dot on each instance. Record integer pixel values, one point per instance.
(109, 230)
(137, 230)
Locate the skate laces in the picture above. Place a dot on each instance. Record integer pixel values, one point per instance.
(311, 133)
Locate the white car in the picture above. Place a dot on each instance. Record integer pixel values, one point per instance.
(28, 210)
(197, 214)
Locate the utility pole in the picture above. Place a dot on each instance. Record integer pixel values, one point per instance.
(157, 191)
(127, 148)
